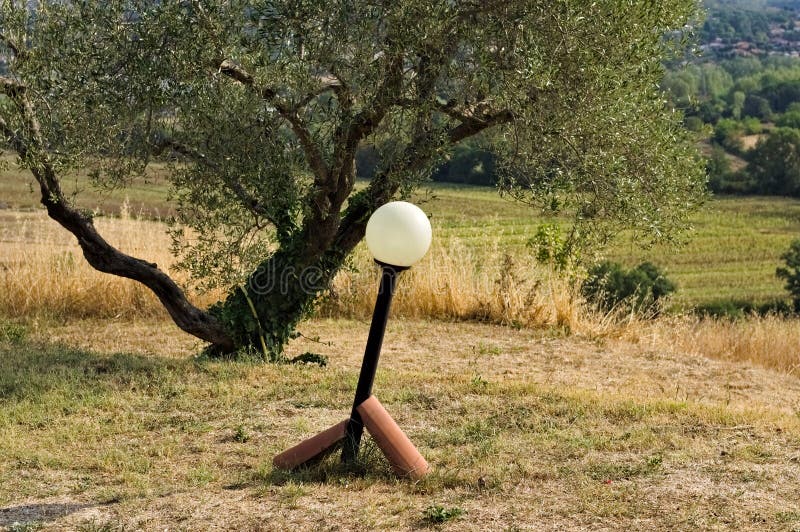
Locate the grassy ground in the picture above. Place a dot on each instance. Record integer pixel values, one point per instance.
(524, 430)
(570, 420)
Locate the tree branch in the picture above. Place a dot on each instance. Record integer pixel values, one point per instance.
(101, 255)
(235, 186)
(327, 83)
(312, 152)
(474, 126)
(18, 52)
(383, 187)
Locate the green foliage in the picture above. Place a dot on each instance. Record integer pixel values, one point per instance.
(693, 123)
(789, 119)
(469, 164)
(775, 163)
(791, 272)
(757, 107)
(240, 434)
(752, 126)
(741, 308)
(728, 133)
(641, 289)
(551, 247)
(719, 170)
(12, 332)
(436, 514)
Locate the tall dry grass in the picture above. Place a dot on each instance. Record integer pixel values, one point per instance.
(454, 282)
(42, 272)
(770, 341)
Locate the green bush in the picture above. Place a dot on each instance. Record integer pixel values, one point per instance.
(693, 123)
(737, 308)
(728, 134)
(791, 272)
(610, 286)
(752, 126)
(789, 119)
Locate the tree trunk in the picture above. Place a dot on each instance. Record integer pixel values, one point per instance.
(282, 291)
(263, 313)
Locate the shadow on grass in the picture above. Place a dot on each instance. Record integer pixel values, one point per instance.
(370, 466)
(38, 513)
(31, 370)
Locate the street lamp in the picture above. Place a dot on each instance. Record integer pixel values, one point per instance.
(398, 234)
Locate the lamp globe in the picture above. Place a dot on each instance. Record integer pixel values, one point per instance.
(398, 234)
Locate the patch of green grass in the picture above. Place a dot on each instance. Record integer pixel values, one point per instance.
(437, 514)
(788, 516)
(12, 332)
(240, 434)
(623, 470)
(27, 526)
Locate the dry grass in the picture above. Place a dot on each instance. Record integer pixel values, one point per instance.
(42, 273)
(769, 341)
(525, 432)
(454, 282)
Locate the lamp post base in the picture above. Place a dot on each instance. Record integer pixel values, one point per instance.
(405, 459)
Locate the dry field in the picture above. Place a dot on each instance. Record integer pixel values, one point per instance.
(525, 431)
(43, 275)
(536, 412)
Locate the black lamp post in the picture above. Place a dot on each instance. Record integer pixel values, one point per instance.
(355, 426)
(398, 235)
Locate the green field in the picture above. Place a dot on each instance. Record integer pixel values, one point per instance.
(731, 253)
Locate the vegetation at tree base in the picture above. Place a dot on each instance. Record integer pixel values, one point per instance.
(640, 289)
(791, 272)
(262, 108)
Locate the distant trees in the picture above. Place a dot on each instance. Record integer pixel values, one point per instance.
(775, 163)
(742, 97)
(734, 24)
(791, 272)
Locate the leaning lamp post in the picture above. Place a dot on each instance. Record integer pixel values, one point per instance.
(398, 235)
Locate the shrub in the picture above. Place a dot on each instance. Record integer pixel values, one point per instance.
(791, 272)
(728, 133)
(752, 126)
(610, 286)
(693, 123)
(736, 308)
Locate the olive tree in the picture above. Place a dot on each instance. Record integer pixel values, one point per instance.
(261, 107)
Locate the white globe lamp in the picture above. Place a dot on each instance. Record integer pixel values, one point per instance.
(398, 234)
